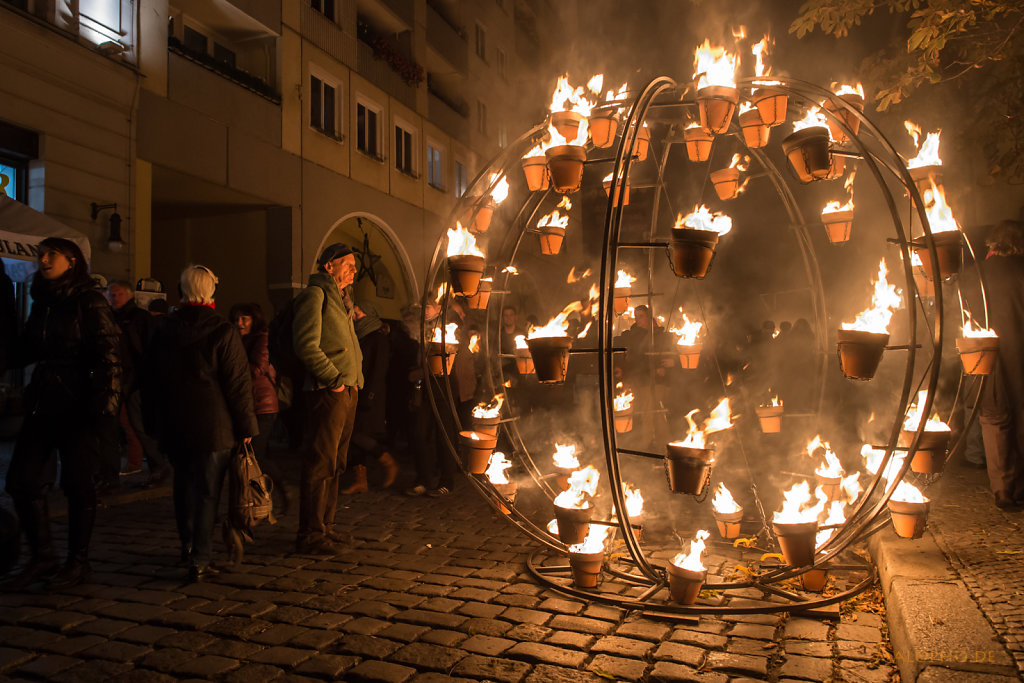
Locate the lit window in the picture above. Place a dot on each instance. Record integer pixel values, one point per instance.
(460, 179)
(434, 173)
(367, 130)
(481, 117)
(323, 106)
(12, 179)
(481, 42)
(324, 7)
(404, 150)
(100, 20)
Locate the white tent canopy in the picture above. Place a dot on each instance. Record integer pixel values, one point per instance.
(22, 228)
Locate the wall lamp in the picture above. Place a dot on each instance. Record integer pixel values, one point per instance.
(114, 241)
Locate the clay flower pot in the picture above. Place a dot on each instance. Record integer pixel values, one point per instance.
(480, 216)
(623, 421)
(838, 225)
(698, 144)
(615, 197)
(567, 123)
(771, 105)
(829, 486)
(620, 302)
(692, 251)
(508, 492)
(536, 171)
(924, 176)
(716, 104)
(836, 168)
(729, 524)
(860, 352)
(466, 271)
(684, 584)
(688, 469)
(978, 354)
(908, 519)
(441, 357)
(726, 182)
(689, 356)
(770, 418)
(477, 452)
(486, 425)
(797, 542)
(947, 249)
(565, 166)
(839, 133)
(814, 580)
(604, 124)
(755, 131)
(550, 358)
(573, 524)
(586, 568)
(524, 362)
(551, 237)
(478, 301)
(930, 457)
(562, 477)
(807, 151)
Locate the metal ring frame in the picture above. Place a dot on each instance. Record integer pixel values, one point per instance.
(878, 154)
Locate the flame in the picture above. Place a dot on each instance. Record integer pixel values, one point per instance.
(851, 487)
(702, 219)
(688, 331)
(873, 460)
(624, 279)
(586, 329)
(915, 260)
(511, 270)
(775, 401)
(565, 203)
(623, 401)
(553, 219)
(557, 326)
(567, 98)
(449, 334)
(582, 484)
(537, 151)
(595, 300)
(814, 117)
(594, 542)
(908, 493)
(462, 241)
(739, 34)
(692, 560)
(489, 410)
(556, 139)
(723, 502)
(573, 277)
(836, 515)
(740, 162)
(796, 507)
(971, 330)
(913, 419)
(759, 50)
(719, 419)
(496, 467)
(474, 343)
(885, 300)
(521, 342)
(553, 527)
(565, 456)
(613, 96)
(928, 153)
(830, 468)
(745, 107)
(940, 216)
(441, 292)
(499, 191)
(595, 84)
(834, 206)
(714, 66)
(634, 500)
(850, 90)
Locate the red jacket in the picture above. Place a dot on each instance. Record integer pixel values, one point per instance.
(263, 375)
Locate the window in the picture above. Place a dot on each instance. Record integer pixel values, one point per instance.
(367, 130)
(481, 117)
(460, 179)
(481, 42)
(499, 62)
(323, 106)
(434, 173)
(195, 41)
(324, 7)
(223, 54)
(100, 20)
(404, 150)
(12, 179)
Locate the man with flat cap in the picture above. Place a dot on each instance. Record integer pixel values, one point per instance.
(324, 337)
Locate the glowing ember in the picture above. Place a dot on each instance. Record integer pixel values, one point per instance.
(489, 410)
(836, 515)
(940, 216)
(714, 66)
(688, 331)
(573, 277)
(908, 493)
(723, 502)
(474, 343)
(928, 153)
(594, 542)
(624, 279)
(796, 508)
(567, 98)
(496, 468)
(499, 191)
(913, 420)
(558, 326)
(850, 90)
(554, 220)
(582, 485)
(971, 330)
(449, 334)
(565, 457)
(622, 401)
(692, 560)
(814, 117)
(462, 241)
(759, 50)
(885, 300)
(719, 419)
(702, 219)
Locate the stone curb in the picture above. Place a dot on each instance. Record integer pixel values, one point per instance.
(937, 631)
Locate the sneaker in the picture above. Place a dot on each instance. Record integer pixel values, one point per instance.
(417, 490)
(438, 492)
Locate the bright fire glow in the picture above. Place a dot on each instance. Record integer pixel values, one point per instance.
(496, 468)
(884, 302)
(692, 560)
(908, 493)
(624, 279)
(740, 162)
(594, 542)
(537, 151)
(582, 484)
(836, 515)
(462, 241)
(558, 326)
(873, 460)
(612, 96)
(814, 117)
(554, 220)
(574, 277)
(595, 84)
(553, 527)
(723, 502)
(971, 330)
(622, 401)
(775, 402)
(489, 410)
(940, 216)
(719, 419)
(688, 331)
(499, 191)
(565, 203)
(565, 456)
(830, 468)
(511, 270)
(913, 420)
(702, 219)
(521, 343)
(796, 507)
(567, 98)
(928, 153)
(759, 50)
(851, 487)
(634, 500)
(449, 334)
(474, 343)
(851, 90)
(834, 206)
(714, 66)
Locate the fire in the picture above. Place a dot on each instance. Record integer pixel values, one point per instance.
(582, 484)
(565, 203)
(830, 468)
(573, 277)
(692, 560)
(972, 330)
(688, 331)
(521, 342)
(623, 401)
(624, 279)
(558, 326)
(499, 190)
(745, 107)
(565, 457)
(834, 206)
(496, 468)
(586, 329)
(928, 153)
(739, 34)
(511, 270)
(836, 515)
(775, 402)
(553, 527)
(814, 117)
(595, 84)
(612, 96)
(702, 219)
(913, 419)
(719, 419)
(714, 66)
(873, 460)
(940, 216)
(740, 162)
(462, 241)
(567, 98)
(553, 219)
(851, 487)
(449, 334)
(474, 343)
(759, 50)
(908, 493)
(537, 151)
(594, 542)
(850, 90)
(557, 139)
(723, 502)
(634, 500)
(885, 300)
(489, 410)
(796, 508)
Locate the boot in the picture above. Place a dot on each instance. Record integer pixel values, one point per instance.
(34, 519)
(387, 461)
(76, 570)
(359, 484)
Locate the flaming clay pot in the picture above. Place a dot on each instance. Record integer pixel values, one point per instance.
(692, 251)
(567, 123)
(755, 131)
(947, 249)
(466, 271)
(770, 418)
(716, 104)
(729, 524)
(620, 302)
(565, 164)
(615, 200)
(684, 584)
(688, 468)
(573, 524)
(978, 354)
(814, 580)
(771, 105)
(698, 144)
(551, 237)
(508, 492)
(481, 215)
(829, 486)
(604, 124)
(586, 568)
(550, 357)
(807, 151)
(797, 541)
(524, 362)
(536, 171)
(839, 133)
(478, 301)
(930, 457)
(562, 477)
(476, 452)
(923, 176)
(441, 357)
(623, 421)
(689, 356)
(860, 352)
(726, 182)
(643, 143)
(908, 519)
(838, 225)
(837, 167)
(486, 425)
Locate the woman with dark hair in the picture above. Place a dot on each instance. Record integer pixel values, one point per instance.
(251, 324)
(72, 339)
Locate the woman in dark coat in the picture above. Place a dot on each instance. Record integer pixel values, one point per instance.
(198, 399)
(72, 339)
(252, 326)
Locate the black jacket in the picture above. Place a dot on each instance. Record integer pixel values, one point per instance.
(136, 331)
(72, 338)
(197, 395)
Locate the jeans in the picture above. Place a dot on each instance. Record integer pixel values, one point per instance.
(198, 480)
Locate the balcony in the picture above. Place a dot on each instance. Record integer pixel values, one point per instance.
(380, 73)
(447, 41)
(443, 115)
(322, 32)
(389, 16)
(237, 76)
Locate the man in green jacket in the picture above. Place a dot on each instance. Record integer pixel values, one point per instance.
(324, 337)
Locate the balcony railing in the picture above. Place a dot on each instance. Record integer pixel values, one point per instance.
(442, 115)
(447, 40)
(378, 72)
(322, 32)
(233, 74)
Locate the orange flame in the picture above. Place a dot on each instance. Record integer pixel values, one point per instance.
(796, 507)
(702, 219)
(462, 241)
(928, 153)
(885, 300)
(496, 468)
(557, 326)
(582, 485)
(723, 502)
(972, 331)
(688, 331)
(489, 410)
(594, 542)
(940, 216)
(565, 456)
(692, 560)
(913, 419)
(714, 66)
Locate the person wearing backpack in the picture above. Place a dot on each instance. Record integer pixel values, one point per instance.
(325, 341)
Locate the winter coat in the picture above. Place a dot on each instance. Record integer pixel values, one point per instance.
(261, 372)
(324, 336)
(197, 395)
(72, 338)
(136, 331)
(1004, 287)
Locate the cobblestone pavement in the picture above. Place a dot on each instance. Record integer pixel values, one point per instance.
(985, 547)
(432, 588)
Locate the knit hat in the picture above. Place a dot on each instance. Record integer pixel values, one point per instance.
(331, 252)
